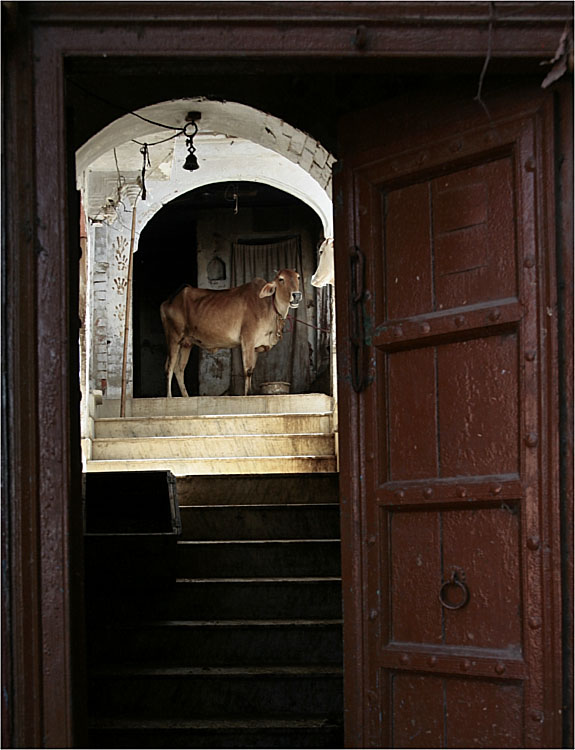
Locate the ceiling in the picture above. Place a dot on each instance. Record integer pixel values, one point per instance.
(102, 91)
(221, 195)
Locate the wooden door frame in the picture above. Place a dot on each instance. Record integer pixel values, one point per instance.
(43, 696)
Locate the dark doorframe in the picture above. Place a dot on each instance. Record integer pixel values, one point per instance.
(43, 696)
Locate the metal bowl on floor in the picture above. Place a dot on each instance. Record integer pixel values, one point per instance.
(274, 388)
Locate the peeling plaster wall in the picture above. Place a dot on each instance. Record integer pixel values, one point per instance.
(109, 274)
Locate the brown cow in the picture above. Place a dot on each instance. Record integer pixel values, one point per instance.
(251, 316)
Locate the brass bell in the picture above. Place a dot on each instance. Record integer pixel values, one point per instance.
(191, 162)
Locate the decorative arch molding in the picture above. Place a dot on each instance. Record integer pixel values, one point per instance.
(251, 163)
(262, 147)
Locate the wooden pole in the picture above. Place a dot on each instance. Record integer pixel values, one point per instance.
(127, 315)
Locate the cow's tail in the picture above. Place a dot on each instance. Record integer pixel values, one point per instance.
(165, 325)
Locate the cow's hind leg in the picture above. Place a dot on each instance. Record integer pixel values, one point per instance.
(171, 359)
(182, 361)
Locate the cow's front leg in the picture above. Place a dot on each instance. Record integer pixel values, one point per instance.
(249, 358)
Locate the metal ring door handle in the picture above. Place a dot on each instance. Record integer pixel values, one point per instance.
(458, 580)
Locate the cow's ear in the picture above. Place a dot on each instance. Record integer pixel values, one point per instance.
(268, 289)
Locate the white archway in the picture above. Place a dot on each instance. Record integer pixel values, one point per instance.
(234, 143)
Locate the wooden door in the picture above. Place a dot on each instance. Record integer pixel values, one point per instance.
(444, 265)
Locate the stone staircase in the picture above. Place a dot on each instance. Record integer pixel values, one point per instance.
(211, 436)
(245, 649)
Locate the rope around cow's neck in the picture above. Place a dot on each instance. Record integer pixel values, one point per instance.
(293, 320)
(296, 320)
(278, 313)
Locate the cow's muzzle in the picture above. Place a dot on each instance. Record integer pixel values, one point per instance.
(295, 299)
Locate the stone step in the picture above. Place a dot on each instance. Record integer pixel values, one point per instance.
(299, 598)
(319, 732)
(210, 446)
(171, 643)
(259, 489)
(198, 405)
(213, 425)
(270, 558)
(253, 598)
(236, 522)
(184, 467)
(203, 692)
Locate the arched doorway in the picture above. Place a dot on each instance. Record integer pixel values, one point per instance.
(197, 239)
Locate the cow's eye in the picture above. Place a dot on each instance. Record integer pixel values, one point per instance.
(282, 279)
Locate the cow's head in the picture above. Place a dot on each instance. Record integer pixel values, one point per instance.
(324, 272)
(285, 286)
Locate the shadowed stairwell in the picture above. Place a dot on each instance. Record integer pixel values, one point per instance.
(227, 634)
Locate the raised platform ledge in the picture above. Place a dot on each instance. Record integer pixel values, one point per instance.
(241, 465)
(296, 403)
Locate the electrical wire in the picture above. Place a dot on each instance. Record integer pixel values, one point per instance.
(144, 144)
(164, 140)
(123, 109)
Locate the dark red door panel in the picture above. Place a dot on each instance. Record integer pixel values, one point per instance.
(431, 712)
(426, 549)
(447, 450)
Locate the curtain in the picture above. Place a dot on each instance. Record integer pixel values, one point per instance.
(289, 359)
